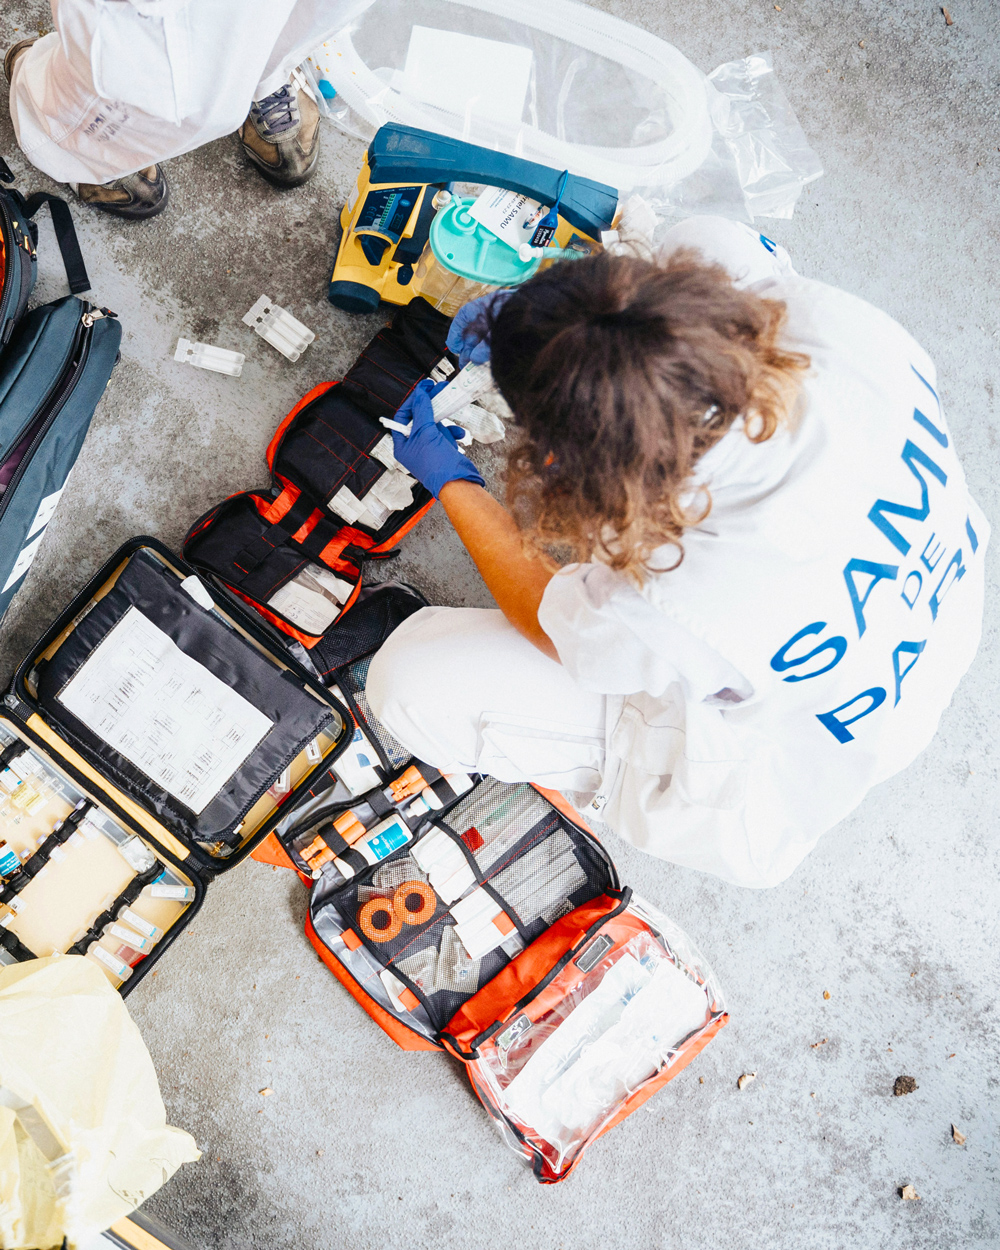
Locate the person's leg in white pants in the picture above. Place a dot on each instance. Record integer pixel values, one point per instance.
(120, 85)
(462, 690)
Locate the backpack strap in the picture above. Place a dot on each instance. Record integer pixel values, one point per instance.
(62, 220)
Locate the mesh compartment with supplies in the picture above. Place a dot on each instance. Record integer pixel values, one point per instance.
(352, 681)
(414, 925)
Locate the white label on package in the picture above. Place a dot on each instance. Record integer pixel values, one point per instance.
(167, 714)
(313, 599)
(356, 767)
(467, 75)
(512, 217)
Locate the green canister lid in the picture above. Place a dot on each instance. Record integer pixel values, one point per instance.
(465, 247)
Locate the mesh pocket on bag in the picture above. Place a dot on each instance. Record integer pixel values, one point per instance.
(495, 817)
(535, 866)
(353, 679)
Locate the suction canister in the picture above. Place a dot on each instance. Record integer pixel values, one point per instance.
(463, 260)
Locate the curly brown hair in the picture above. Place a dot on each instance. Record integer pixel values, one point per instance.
(621, 374)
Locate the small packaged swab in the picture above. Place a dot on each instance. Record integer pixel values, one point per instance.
(177, 893)
(279, 328)
(116, 966)
(135, 940)
(140, 924)
(205, 356)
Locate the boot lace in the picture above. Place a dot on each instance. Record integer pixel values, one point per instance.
(278, 111)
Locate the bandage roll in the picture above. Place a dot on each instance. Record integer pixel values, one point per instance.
(373, 913)
(414, 902)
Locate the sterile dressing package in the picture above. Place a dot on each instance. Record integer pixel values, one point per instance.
(153, 736)
(572, 87)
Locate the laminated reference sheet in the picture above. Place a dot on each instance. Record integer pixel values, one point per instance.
(164, 712)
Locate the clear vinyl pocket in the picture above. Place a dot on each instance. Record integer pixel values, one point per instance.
(565, 1046)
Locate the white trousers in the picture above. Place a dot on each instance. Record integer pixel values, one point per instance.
(121, 84)
(461, 689)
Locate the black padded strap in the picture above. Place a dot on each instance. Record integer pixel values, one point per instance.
(319, 536)
(62, 220)
(333, 839)
(11, 752)
(355, 860)
(256, 552)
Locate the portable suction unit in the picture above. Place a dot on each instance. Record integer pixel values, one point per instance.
(407, 233)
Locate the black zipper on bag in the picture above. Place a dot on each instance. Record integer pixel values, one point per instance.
(53, 403)
(7, 226)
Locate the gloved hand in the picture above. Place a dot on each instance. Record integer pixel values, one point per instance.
(467, 337)
(426, 449)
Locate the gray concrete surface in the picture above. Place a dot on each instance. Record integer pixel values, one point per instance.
(894, 915)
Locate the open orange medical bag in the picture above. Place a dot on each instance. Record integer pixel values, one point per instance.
(495, 929)
(294, 550)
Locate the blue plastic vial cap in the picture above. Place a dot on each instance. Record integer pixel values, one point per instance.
(465, 247)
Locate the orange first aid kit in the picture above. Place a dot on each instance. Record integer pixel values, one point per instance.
(485, 919)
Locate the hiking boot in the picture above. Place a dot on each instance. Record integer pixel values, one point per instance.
(281, 135)
(13, 52)
(134, 197)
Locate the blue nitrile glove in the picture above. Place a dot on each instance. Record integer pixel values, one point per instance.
(426, 449)
(467, 337)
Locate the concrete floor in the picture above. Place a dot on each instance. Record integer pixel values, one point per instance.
(894, 915)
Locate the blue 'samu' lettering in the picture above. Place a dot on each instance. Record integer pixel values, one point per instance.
(780, 661)
(876, 572)
(912, 456)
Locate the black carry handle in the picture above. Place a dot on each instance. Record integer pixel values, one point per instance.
(62, 220)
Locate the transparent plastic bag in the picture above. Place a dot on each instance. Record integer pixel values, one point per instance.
(83, 1132)
(573, 88)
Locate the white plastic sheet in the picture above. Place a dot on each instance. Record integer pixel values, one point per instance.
(604, 99)
(83, 1132)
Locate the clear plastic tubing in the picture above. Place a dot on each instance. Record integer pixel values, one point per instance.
(667, 161)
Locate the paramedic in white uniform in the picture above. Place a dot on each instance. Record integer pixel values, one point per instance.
(118, 86)
(777, 576)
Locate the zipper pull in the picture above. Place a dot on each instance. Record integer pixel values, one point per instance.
(96, 314)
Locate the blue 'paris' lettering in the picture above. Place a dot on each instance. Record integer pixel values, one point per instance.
(905, 648)
(839, 728)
